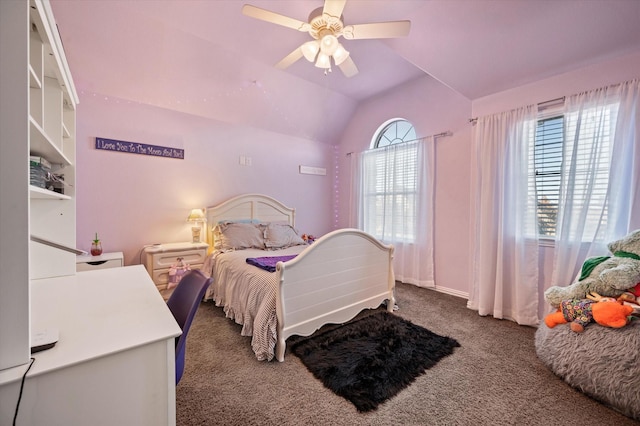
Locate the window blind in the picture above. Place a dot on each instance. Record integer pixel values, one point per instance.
(549, 139)
(571, 164)
(390, 180)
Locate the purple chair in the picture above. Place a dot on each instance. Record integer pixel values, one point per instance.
(183, 304)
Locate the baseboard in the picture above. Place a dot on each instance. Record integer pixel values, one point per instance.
(452, 292)
(446, 290)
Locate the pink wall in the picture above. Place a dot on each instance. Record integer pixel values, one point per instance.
(592, 77)
(606, 73)
(432, 108)
(133, 200)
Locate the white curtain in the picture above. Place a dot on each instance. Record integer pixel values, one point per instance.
(392, 196)
(504, 255)
(601, 173)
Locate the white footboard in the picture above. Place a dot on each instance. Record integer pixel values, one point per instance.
(331, 281)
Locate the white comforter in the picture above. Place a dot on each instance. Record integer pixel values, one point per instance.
(247, 294)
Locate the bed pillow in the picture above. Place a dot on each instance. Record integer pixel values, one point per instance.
(237, 236)
(279, 236)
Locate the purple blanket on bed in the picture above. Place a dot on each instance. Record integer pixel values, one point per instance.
(268, 263)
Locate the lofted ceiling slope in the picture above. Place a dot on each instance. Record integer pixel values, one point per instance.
(204, 57)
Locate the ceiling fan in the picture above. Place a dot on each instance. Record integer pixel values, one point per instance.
(326, 25)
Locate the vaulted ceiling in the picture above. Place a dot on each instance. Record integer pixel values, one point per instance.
(205, 57)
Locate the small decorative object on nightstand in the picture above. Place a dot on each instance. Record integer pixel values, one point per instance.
(197, 217)
(96, 246)
(161, 257)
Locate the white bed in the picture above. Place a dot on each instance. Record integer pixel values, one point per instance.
(329, 281)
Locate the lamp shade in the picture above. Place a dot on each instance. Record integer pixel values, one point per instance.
(324, 60)
(329, 44)
(196, 215)
(310, 50)
(340, 55)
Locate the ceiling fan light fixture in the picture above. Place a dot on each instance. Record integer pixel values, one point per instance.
(328, 44)
(310, 50)
(340, 55)
(324, 61)
(325, 26)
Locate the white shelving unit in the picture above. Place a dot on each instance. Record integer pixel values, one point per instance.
(38, 117)
(52, 128)
(44, 194)
(105, 340)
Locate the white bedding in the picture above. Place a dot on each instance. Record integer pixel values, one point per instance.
(247, 294)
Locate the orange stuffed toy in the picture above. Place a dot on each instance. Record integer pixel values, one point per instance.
(606, 311)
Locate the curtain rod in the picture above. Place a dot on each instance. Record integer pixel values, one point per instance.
(542, 105)
(437, 135)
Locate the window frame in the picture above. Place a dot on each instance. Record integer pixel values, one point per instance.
(392, 126)
(558, 111)
(367, 196)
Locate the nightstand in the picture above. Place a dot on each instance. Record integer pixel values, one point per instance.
(159, 258)
(104, 261)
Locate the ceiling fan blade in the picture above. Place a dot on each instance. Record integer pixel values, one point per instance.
(390, 29)
(290, 59)
(275, 18)
(333, 8)
(348, 67)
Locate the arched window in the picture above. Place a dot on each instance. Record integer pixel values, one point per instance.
(389, 183)
(394, 131)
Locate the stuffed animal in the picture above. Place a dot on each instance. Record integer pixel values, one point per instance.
(631, 298)
(627, 296)
(636, 291)
(608, 275)
(605, 311)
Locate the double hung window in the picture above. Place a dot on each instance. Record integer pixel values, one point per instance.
(570, 163)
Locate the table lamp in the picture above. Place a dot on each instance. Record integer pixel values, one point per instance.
(197, 217)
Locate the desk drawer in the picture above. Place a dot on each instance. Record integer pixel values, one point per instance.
(98, 264)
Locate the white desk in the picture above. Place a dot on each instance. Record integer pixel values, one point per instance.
(114, 362)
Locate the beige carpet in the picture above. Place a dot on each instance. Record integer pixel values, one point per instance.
(494, 378)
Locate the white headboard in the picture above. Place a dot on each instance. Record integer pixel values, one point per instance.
(256, 207)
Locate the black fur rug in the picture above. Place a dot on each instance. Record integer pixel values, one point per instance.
(371, 358)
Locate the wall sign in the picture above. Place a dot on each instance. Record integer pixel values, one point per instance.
(139, 148)
(308, 170)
